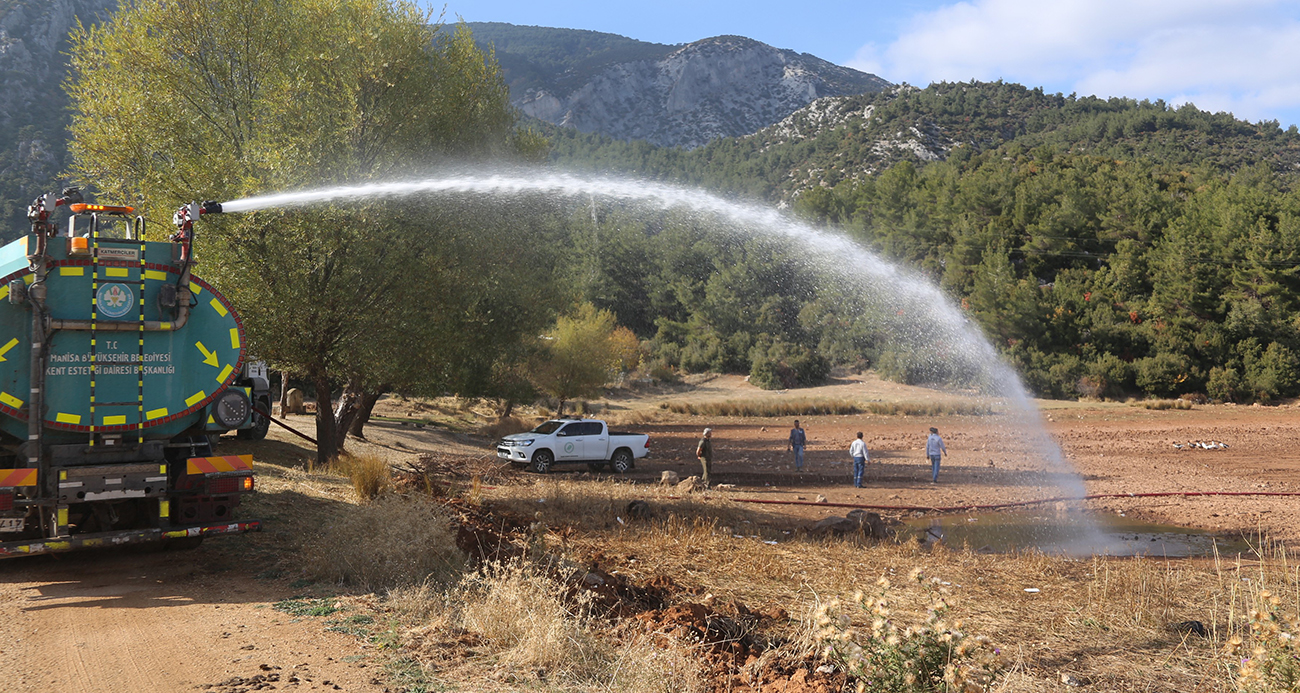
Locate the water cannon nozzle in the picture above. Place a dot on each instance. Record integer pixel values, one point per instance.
(210, 207)
(70, 196)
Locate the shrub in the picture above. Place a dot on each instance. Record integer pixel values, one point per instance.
(1269, 656)
(1111, 374)
(392, 541)
(767, 374)
(1162, 374)
(1224, 384)
(883, 653)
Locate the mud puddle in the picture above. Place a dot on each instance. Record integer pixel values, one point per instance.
(1072, 534)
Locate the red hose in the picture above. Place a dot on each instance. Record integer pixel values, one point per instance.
(1016, 504)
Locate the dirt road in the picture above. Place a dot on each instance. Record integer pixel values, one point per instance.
(164, 622)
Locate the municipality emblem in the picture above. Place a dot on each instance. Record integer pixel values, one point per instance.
(114, 300)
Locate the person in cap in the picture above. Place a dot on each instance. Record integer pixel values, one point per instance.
(704, 452)
(934, 447)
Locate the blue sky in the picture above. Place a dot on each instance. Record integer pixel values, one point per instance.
(1241, 56)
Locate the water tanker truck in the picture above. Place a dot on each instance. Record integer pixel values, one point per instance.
(118, 371)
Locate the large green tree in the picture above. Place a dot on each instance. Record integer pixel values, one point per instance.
(177, 100)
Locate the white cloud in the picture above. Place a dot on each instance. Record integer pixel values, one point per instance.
(1237, 55)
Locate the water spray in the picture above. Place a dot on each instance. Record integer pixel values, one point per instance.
(912, 308)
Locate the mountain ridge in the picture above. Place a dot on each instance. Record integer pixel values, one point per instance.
(678, 96)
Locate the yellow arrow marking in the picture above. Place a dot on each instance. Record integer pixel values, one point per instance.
(209, 357)
(5, 349)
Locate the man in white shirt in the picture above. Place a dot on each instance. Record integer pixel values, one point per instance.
(934, 447)
(858, 451)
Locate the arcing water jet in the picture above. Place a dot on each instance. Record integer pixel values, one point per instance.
(918, 315)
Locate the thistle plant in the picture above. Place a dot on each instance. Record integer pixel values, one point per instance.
(884, 654)
(1269, 657)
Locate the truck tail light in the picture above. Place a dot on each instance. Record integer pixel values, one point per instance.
(248, 483)
(6, 500)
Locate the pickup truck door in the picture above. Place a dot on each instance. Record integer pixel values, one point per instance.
(569, 441)
(595, 445)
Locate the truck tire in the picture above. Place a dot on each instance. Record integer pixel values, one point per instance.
(621, 462)
(542, 461)
(261, 425)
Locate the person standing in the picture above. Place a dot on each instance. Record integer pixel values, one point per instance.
(704, 451)
(934, 447)
(858, 451)
(797, 441)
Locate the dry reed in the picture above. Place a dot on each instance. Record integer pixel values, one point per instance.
(772, 408)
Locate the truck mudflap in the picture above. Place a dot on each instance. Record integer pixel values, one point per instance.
(32, 547)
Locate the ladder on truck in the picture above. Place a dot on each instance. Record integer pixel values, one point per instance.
(136, 233)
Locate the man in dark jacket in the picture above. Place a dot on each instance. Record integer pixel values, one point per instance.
(704, 451)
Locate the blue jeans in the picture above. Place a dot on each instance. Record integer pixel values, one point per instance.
(798, 457)
(859, 466)
(934, 467)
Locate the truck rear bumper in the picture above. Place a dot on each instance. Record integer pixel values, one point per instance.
(32, 547)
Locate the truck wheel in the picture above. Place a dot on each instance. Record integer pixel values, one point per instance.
(260, 426)
(621, 461)
(596, 466)
(542, 460)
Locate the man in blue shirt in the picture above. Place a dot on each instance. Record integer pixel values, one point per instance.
(934, 447)
(797, 442)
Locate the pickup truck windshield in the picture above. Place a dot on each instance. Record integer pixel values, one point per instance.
(548, 427)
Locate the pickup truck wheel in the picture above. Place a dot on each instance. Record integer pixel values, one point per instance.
(621, 461)
(542, 460)
(596, 466)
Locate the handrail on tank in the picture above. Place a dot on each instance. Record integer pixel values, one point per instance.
(184, 220)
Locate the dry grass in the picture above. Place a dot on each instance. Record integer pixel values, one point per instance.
(1109, 622)
(392, 541)
(773, 408)
(370, 474)
(531, 634)
(1165, 404)
(504, 427)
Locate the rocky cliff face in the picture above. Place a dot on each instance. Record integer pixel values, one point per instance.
(33, 107)
(719, 87)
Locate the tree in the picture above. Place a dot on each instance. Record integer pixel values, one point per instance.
(579, 355)
(175, 100)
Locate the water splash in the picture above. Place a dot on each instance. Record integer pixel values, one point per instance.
(917, 313)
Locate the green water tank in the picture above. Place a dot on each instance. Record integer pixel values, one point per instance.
(156, 383)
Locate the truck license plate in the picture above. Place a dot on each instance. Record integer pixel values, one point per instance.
(503, 454)
(12, 524)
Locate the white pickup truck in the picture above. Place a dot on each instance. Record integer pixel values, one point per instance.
(559, 441)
